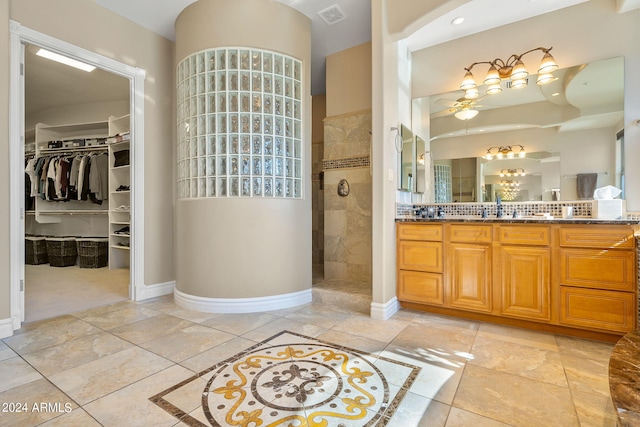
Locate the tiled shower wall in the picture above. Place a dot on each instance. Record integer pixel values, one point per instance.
(347, 220)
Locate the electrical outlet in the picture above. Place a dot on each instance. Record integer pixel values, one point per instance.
(391, 175)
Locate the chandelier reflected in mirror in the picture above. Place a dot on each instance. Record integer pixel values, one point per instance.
(512, 69)
(504, 152)
(509, 189)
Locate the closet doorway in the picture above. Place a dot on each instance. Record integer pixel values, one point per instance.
(77, 189)
(71, 118)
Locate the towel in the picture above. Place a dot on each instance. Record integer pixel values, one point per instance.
(586, 185)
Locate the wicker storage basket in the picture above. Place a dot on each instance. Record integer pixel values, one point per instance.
(62, 251)
(93, 252)
(35, 250)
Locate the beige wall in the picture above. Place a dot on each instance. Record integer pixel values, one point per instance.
(87, 25)
(5, 308)
(241, 247)
(349, 80)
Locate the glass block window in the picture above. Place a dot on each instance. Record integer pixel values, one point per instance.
(442, 183)
(239, 121)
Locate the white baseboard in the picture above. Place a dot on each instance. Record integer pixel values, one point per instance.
(156, 290)
(386, 310)
(6, 327)
(242, 305)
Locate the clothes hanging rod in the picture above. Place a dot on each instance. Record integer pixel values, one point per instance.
(576, 176)
(73, 212)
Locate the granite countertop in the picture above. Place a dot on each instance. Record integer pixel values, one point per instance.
(624, 379)
(525, 220)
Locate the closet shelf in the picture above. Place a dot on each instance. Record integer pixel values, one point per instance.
(121, 192)
(121, 167)
(120, 235)
(126, 248)
(121, 222)
(43, 151)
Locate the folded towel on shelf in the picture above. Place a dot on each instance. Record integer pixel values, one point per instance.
(586, 185)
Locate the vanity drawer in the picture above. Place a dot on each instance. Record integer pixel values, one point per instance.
(524, 235)
(431, 232)
(596, 309)
(598, 268)
(470, 233)
(420, 287)
(600, 236)
(420, 256)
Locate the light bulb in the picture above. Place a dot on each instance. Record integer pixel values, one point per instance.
(548, 64)
(519, 71)
(494, 89)
(545, 78)
(471, 93)
(493, 76)
(519, 83)
(468, 81)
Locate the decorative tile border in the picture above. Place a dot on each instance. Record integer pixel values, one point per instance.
(581, 209)
(292, 379)
(347, 162)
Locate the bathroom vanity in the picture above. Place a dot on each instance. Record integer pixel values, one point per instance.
(572, 276)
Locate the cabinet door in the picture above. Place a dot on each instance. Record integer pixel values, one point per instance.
(596, 309)
(598, 268)
(420, 287)
(470, 276)
(525, 282)
(420, 256)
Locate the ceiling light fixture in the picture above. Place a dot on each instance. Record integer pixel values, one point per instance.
(504, 152)
(514, 69)
(457, 20)
(65, 60)
(512, 172)
(466, 113)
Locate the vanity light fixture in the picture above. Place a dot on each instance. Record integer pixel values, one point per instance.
(513, 69)
(512, 172)
(504, 152)
(65, 60)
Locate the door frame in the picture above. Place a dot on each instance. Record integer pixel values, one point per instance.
(19, 36)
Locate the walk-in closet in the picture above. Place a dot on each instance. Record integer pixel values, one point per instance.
(77, 187)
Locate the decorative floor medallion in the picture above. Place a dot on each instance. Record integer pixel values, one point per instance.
(293, 380)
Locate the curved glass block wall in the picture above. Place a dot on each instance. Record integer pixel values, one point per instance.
(239, 124)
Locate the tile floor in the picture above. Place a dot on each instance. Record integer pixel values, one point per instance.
(52, 291)
(101, 366)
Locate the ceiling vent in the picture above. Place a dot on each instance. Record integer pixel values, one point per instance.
(332, 14)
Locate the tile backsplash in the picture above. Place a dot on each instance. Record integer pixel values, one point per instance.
(581, 209)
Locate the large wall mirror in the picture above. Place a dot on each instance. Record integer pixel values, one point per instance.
(568, 127)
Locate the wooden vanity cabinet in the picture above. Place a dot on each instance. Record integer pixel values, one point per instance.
(565, 278)
(598, 278)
